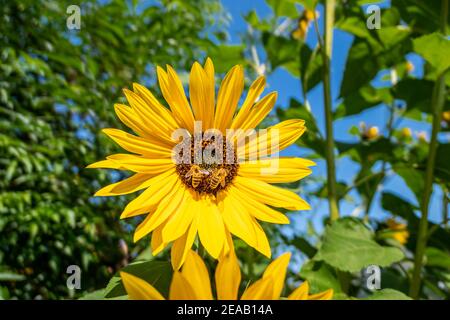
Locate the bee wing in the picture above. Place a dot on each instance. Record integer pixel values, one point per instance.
(188, 174)
(205, 172)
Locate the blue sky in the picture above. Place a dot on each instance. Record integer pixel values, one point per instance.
(287, 87)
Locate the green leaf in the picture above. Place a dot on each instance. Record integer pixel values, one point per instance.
(437, 258)
(157, 273)
(413, 178)
(365, 98)
(10, 276)
(304, 246)
(416, 93)
(95, 295)
(280, 52)
(283, 8)
(308, 4)
(434, 48)
(349, 246)
(388, 294)
(320, 276)
(226, 56)
(441, 168)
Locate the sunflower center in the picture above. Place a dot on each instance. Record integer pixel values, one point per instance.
(212, 166)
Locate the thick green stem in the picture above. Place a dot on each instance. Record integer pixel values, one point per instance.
(437, 102)
(326, 54)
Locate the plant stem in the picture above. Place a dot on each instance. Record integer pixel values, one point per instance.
(326, 54)
(437, 102)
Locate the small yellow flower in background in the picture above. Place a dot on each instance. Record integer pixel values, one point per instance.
(409, 67)
(372, 133)
(406, 132)
(303, 24)
(368, 133)
(446, 116)
(310, 15)
(193, 282)
(397, 231)
(208, 199)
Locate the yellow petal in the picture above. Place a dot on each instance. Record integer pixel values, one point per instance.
(255, 90)
(180, 288)
(173, 93)
(262, 243)
(134, 183)
(195, 272)
(138, 289)
(155, 105)
(259, 111)
(301, 293)
(157, 243)
(182, 245)
(160, 186)
(270, 195)
(138, 145)
(106, 164)
(276, 170)
(157, 125)
(211, 229)
(236, 218)
(132, 120)
(178, 224)
(326, 295)
(260, 290)
(259, 210)
(142, 164)
(277, 272)
(210, 91)
(228, 277)
(271, 141)
(202, 100)
(166, 208)
(228, 97)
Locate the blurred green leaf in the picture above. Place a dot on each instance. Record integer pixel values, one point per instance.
(157, 273)
(349, 246)
(388, 294)
(320, 276)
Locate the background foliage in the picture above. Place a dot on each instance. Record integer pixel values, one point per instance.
(57, 88)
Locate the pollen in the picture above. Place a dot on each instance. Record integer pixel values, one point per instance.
(209, 176)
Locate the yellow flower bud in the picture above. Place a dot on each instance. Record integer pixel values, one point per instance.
(372, 133)
(302, 29)
(409, 67)
(308, 14)
(406, 132)
(446, 116)
(398, 231)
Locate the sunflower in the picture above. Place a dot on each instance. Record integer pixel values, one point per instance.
(225, 191)
(193, 283)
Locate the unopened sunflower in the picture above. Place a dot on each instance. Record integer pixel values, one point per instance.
(193, 282)
(186, 193)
